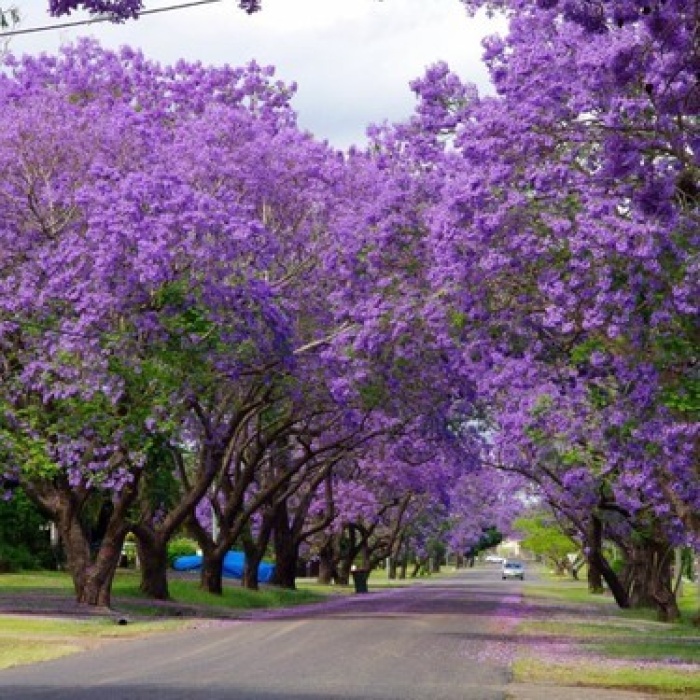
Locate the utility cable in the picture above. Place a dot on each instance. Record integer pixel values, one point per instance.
(95, 20)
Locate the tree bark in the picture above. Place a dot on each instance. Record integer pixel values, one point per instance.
(212, 577)
(403, 569)
(327, 563)
(598, 562)
(286, 549)
(153, 556)
(253, 557)
(255, 547)
(650, 577)
(92, 565)
(97, 582)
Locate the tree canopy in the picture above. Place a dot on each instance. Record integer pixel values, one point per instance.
(494, 303)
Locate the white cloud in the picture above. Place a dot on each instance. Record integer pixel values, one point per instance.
(352, 59)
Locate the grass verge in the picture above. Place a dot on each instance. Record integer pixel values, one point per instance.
(188, 592)
(666, 681)
(17, 653)
(595, 644)
(25, 640)
(126, 593)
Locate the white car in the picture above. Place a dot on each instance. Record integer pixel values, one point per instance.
(513, 569)
(493, 559)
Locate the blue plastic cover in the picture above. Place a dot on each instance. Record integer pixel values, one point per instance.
(234, 562)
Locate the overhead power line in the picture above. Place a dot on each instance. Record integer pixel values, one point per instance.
(95, 20)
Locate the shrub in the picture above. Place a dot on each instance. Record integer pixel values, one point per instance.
(17, 558)
(180, 547)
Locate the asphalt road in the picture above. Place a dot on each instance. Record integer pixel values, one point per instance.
(434, 641)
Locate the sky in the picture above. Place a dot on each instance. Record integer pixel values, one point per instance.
(352, 60)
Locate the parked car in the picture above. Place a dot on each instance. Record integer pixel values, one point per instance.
(513, 569)
(493, 559)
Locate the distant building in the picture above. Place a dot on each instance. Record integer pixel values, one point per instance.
(509, 548)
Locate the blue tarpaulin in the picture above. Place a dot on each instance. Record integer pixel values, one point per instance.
(234, 563)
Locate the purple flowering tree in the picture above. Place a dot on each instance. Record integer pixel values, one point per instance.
(130, 279)
(566, 245)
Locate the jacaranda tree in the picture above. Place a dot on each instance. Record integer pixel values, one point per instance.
(130, 278)
(567, 242)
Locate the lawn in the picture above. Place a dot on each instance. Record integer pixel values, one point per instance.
(599, 645)
(185, 591)
(26, 639)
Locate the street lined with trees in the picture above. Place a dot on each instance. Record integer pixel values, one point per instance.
(213, 324)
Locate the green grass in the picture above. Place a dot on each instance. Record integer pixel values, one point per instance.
(635, 651)
(571, 591)
(566, 590)
(25, 640)
(623, 640)
(127, 596)
(19, 652)
(188, 592)
(653, 650)
(55, 582)
(29, 640)
(658, 680)
(12, 627)
(689, 602)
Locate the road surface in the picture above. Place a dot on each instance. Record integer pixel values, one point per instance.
(440, 640)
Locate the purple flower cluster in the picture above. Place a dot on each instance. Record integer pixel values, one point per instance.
(120, 10)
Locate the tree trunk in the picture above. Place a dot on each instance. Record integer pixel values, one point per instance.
(76, 547)
(92, 565)
(561, 566)
(153, 555)
(159, 519)
(97, 584)
(255, 546)
(213, 553)
(327, 567)
(286, 559)
(286, 550)
(599, 563)
(325, 572)
(342, 572)
(650, 576)
(253, 557)
(403, 572)
(393, 569)
(595, 547)
(212, 576)
(595, 578)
